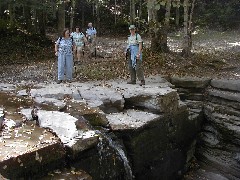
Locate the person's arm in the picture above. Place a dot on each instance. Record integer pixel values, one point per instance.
(140, 49)
(85, 39)
(74, 46)
(56, 47)
(95, 32)
(139, 45)
(127, 47)
(87, 33)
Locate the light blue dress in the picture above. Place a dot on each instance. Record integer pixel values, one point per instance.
(65, 58)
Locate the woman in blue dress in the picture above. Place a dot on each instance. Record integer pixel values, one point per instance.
(64, 51)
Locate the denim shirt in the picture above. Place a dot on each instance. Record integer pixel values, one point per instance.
(65, 46)
(91, 31)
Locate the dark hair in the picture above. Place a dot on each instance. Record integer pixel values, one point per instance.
(64, 31)
(77, 27)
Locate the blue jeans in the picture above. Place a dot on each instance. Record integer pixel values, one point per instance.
(65, 63)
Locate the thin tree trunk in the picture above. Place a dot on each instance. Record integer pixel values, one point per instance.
(11, 14)
(72, 14)
(98, 18)
(177, 13)
(187, 41)
(83, 14)
(165, 28)
(191, 16)
(132, 11)
(93, 12)
(168, 13)
(42, 19)
(115, 12)
(27, 17)
(36, 20)
(185, 50)
(140, 12)
(152, 12)
(61, 18)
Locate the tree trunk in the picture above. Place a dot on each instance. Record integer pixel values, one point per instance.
(36, 20)
(140, 13)
(152, 12)
(42, 19)
(83, 14)
(72, 14)
(177, 13)
(98, 18)
(11, 14)
(158, 33)
(61, 18)
(115, 12)
(93, 13)
(187, 40)
(27, 17)
(165, 28)
(132, 12)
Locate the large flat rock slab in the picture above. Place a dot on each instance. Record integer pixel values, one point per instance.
(156, 99)
(130, 119)
(190, 82)
(65, 127)
(24, 150)
(224, 84)
(226, 98)
(91, 94)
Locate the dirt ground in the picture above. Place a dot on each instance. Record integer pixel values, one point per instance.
(215, 55)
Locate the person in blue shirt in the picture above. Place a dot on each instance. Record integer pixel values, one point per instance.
(64, 51)
(91, 35)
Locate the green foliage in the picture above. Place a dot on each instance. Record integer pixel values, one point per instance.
(218, 13)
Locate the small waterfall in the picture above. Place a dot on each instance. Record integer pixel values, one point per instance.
(117, 147)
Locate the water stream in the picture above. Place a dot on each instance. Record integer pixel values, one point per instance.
(119, 150)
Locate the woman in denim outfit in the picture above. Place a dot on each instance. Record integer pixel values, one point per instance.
(134, 50)
(64, 50)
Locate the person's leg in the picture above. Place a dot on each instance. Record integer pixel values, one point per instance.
(79, 50)
(93, 47)
(139, 72)
(61, 64)
(131, 71)
(69, 67)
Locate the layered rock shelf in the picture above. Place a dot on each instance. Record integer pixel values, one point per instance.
(218, 145)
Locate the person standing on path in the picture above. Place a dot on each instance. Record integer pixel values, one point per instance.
(64, 51)
(134, 55)
(91, 35)
(79, 39)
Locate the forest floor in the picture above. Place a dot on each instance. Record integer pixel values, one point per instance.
(215, 55)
